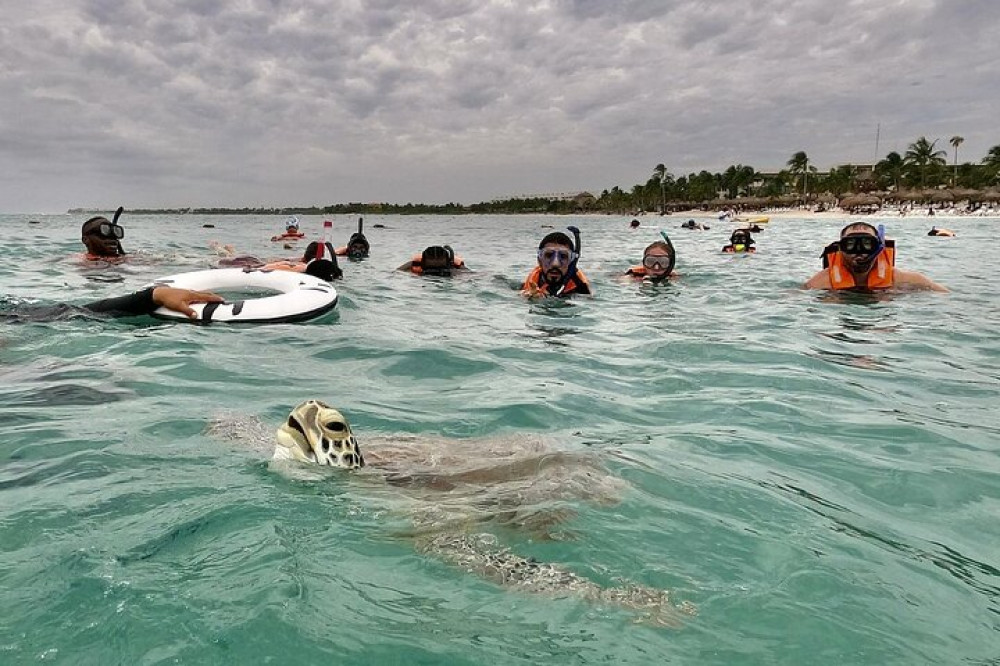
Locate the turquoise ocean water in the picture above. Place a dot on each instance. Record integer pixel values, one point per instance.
(818, 475)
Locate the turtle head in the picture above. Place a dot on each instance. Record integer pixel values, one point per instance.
(317, 433)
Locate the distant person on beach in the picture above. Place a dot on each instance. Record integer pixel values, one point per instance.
(740, 241)
(940, 232)
(658, 261)
(863, 260)
(435, 260)
(102, 238)
(556, 273)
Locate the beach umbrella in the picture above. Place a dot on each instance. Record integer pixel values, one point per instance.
(941, 195)
(961, 194)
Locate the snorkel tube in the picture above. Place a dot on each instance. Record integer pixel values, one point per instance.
(571, 271)
(673, 256)
(114, 221)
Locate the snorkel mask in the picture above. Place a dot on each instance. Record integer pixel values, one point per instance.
(860, 244)
(357, 245)
(564, 256)
(108, 231)
(740, 240)
(671, 260)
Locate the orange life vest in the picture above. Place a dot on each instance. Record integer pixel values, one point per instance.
(535, 283)
(112, 259)
(879, 277)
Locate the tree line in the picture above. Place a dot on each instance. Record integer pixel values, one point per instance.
(923, 166)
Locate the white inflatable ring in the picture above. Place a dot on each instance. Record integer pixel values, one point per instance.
(302, 296)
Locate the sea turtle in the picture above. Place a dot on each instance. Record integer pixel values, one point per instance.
(454, 491)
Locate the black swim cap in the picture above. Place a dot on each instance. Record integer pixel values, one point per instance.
(557, 237)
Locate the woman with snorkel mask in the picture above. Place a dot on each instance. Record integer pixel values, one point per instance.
(863, 260)
(658, 261)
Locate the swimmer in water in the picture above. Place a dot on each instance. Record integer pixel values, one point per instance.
(556, 273)
(435, 260)
(740, 241)
(658, 261)
(102, 238)
(862, 260)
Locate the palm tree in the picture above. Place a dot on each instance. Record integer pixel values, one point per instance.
(798, 166)
(922, 156)
(956, 141)
(992, 162)
(892, 167)
(661, 175)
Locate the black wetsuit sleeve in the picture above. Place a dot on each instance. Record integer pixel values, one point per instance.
(138, 303)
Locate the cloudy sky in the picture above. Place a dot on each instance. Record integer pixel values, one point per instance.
(280, 102)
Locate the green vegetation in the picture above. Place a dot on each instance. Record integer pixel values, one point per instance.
(921, 169)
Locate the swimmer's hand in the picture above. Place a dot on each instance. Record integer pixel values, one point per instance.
(180, 300)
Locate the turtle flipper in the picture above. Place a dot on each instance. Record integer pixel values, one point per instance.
(479, 554)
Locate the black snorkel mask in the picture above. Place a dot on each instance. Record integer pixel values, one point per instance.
(863, 244)
(357, 245)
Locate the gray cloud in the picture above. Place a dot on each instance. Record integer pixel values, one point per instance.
(157, 102)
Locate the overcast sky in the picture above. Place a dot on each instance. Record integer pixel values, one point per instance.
(149, 103)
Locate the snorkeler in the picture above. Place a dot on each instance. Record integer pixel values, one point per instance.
(940, 232)
(658, 261)
(102, 238)
(691, 224)
(435, 260)
(357, 246)
(863, 260)
(740, 241)
(291, 230)
(556, 273)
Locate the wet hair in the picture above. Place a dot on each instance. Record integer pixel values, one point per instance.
(556, 238)
(94, 222)
(666, 247)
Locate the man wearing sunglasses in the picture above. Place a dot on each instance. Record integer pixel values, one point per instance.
(864, 261)
(103, 239)
(556, 273)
